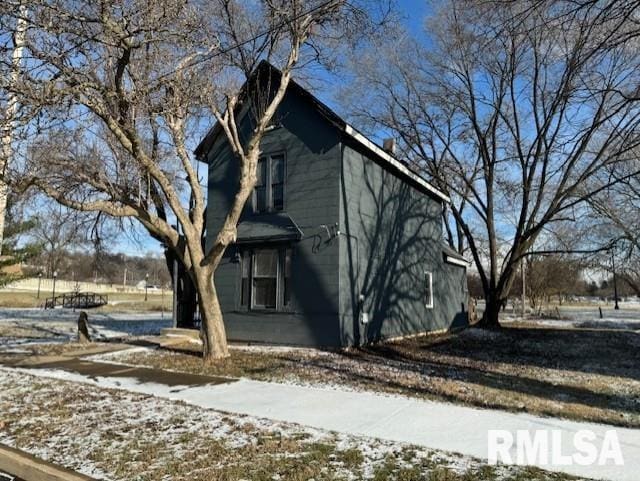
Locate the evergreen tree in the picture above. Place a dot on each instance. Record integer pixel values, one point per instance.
(14, 250)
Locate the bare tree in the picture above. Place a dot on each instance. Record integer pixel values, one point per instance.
(552, 275)
(614, 220)
(120, 91)
(512, 115)
(59, 230)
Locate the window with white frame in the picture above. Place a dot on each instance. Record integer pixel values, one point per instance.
(428, 286)
(265, 278)
(268, 194)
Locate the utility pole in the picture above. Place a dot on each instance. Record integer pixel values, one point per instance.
(615, 282)
(19, 39)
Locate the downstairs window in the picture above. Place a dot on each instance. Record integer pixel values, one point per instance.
(265, 279)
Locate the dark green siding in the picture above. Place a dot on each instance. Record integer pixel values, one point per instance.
(311, 200)
(395, 235)
(390, 234)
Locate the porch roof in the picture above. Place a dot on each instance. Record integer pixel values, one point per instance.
(267, 228)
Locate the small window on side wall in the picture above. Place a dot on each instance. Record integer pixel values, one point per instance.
(428, 282)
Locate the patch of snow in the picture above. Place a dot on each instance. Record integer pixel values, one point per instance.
(62, 323)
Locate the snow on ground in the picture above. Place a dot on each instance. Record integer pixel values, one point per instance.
(430, 425)
(591, 323)
(120, 435)
(626, 318)
(61, 324)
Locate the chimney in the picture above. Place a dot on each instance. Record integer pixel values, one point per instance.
(389, 146)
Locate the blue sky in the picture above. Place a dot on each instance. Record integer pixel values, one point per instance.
(415, 12)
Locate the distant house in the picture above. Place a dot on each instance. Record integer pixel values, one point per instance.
(341, 243)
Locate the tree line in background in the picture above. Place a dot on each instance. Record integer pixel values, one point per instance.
(42, 238)
(106, 268)
(557, 280)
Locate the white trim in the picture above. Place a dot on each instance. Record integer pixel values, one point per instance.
(429, 305)
(456, 261)
(394, 162)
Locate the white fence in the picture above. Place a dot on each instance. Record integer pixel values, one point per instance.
(62, 286)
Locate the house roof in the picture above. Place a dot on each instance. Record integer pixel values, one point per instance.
(272, 227)
(390, 162)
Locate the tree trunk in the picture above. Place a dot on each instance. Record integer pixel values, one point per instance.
(212, 331)
(491, 314)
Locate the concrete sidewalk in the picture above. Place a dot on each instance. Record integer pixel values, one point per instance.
(434, 425)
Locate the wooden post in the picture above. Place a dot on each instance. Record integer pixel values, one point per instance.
(83, 328)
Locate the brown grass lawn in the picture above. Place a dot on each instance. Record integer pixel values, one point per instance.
(570, 373)
(22, 298)
(117, 301)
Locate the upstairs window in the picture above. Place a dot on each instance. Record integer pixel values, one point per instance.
(260, 193)
(269, 191)
(277, 182)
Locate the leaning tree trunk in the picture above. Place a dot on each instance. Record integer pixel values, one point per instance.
(212, 331)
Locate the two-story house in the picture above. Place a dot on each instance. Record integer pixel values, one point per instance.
(341, 243)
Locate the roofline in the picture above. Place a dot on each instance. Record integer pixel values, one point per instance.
(342, 125)
(353, 133)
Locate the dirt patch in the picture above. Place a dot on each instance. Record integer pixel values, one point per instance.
(585, 375)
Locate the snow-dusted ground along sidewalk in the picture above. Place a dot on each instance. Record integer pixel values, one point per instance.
(430, 424)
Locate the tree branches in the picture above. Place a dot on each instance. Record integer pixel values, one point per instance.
(514, 109)
(120, 92)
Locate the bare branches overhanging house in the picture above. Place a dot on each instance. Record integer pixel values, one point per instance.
(341, 243)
